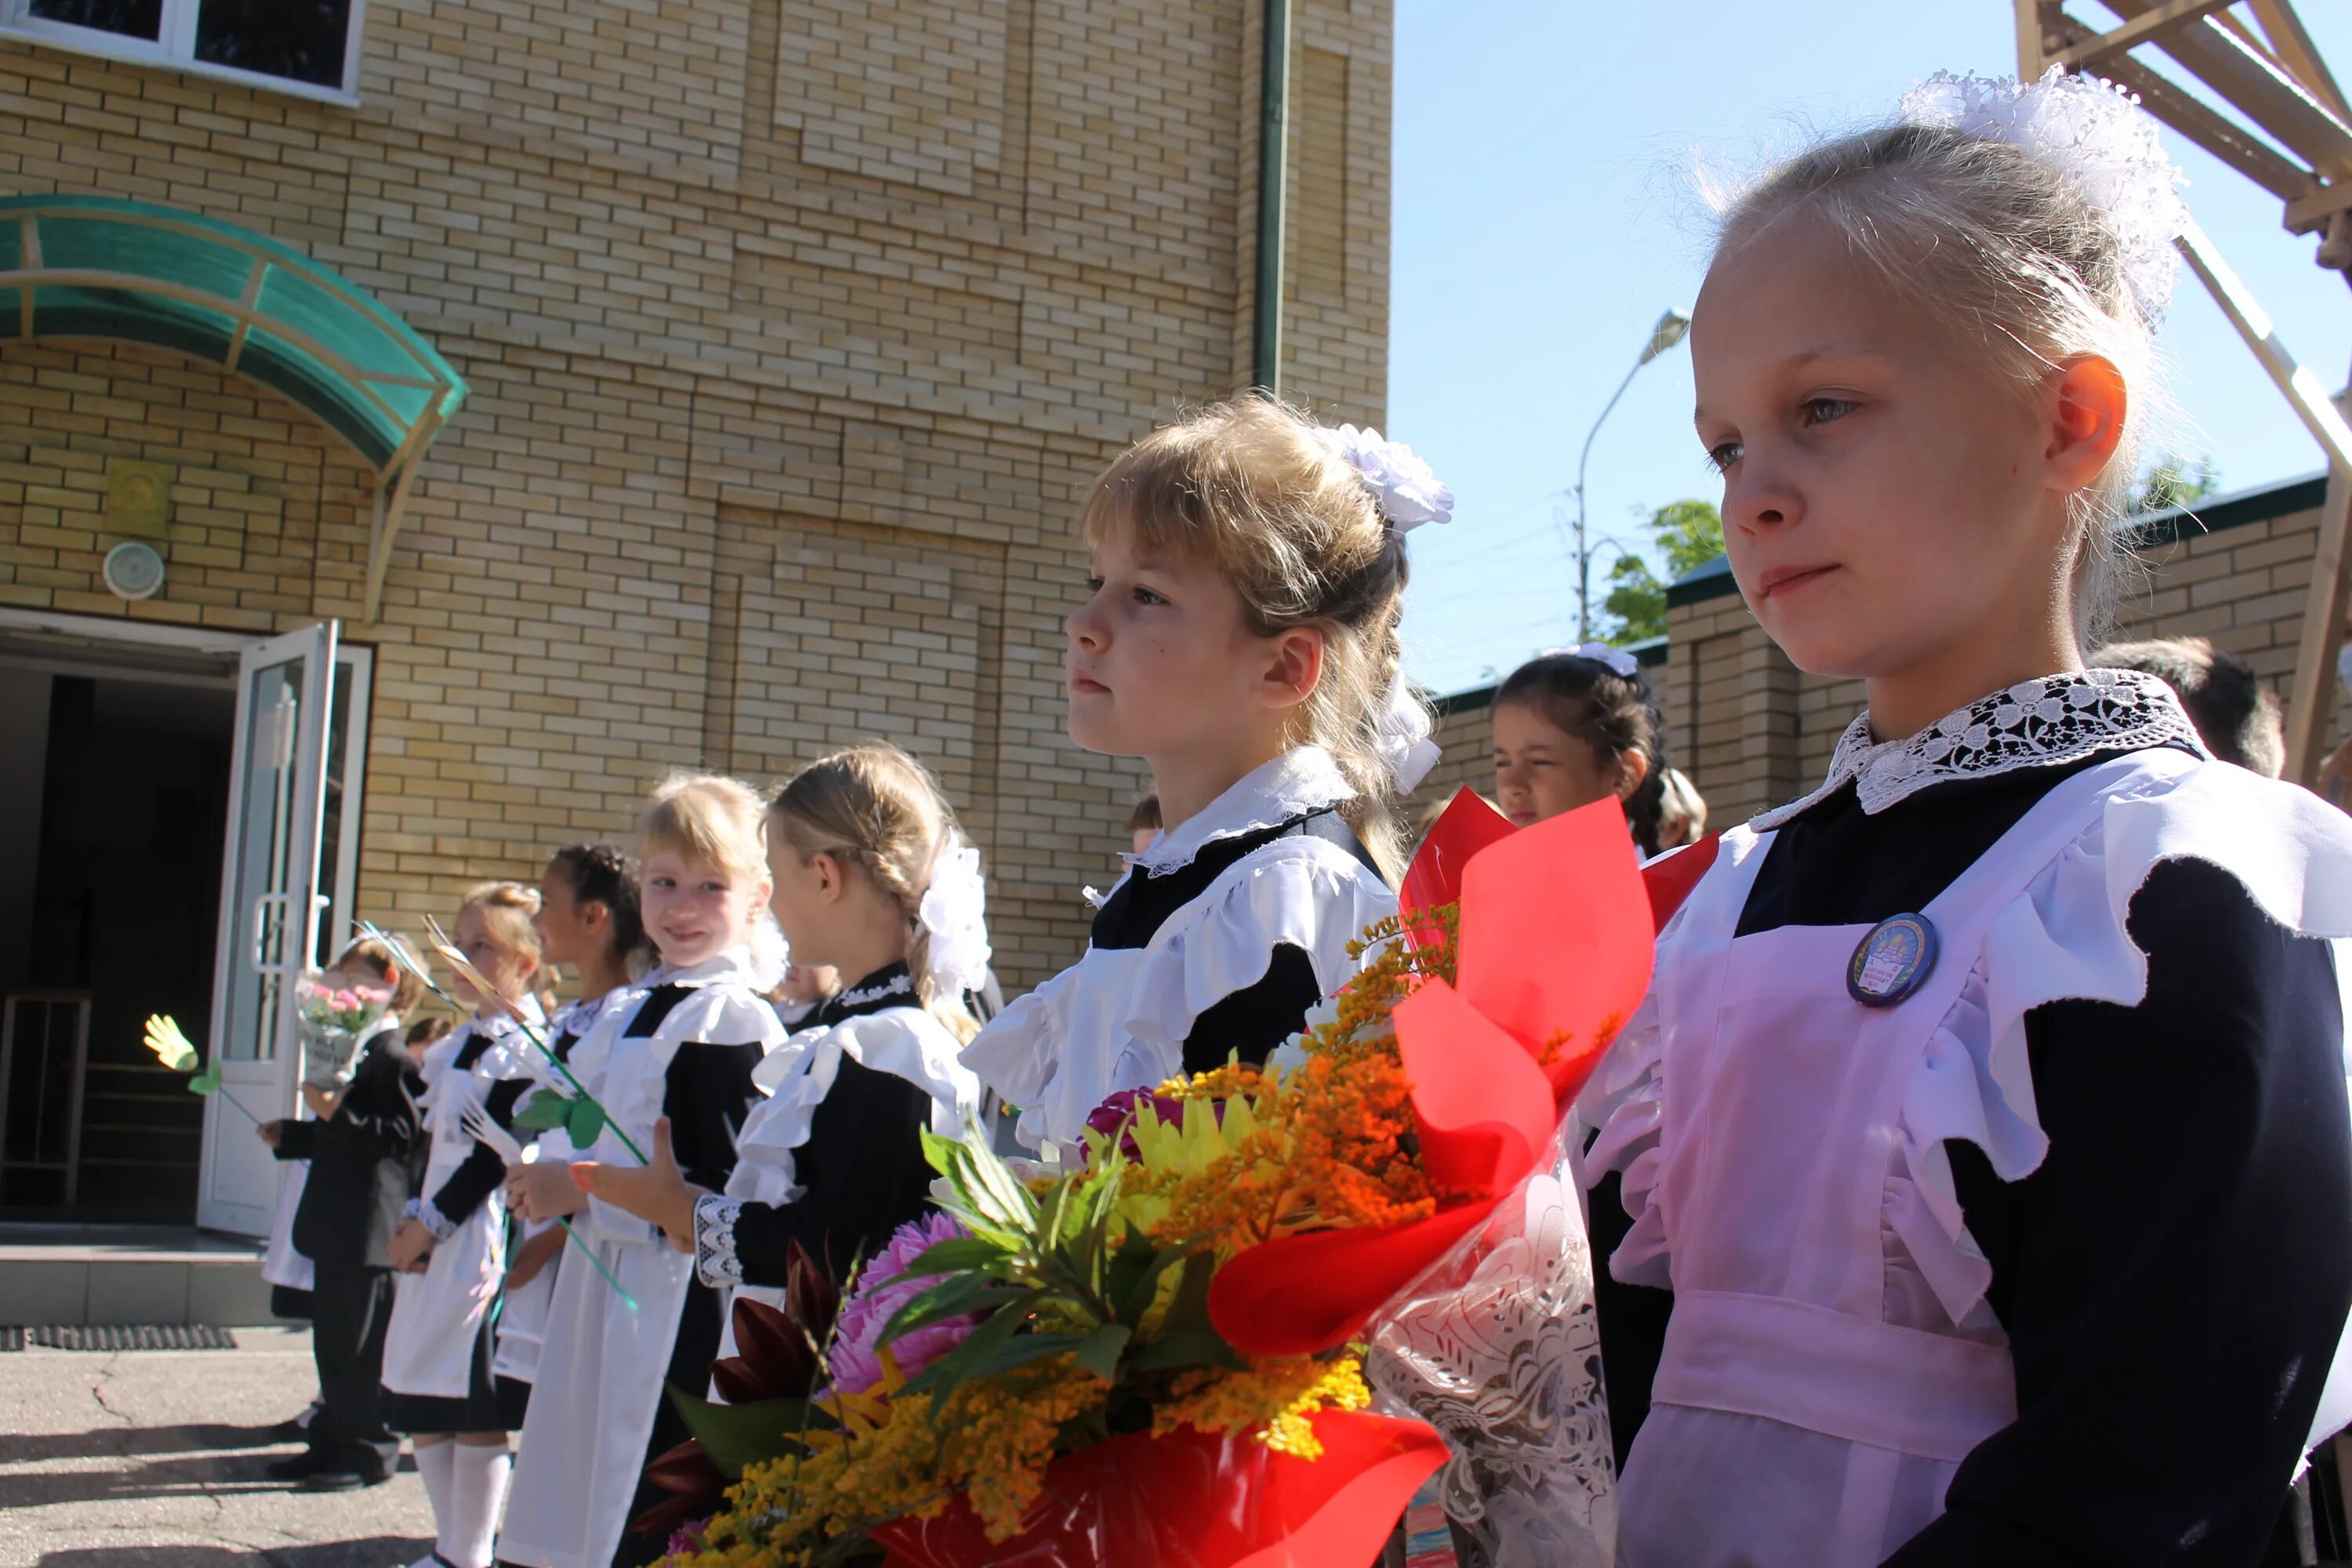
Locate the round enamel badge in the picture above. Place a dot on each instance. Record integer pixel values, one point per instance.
(1892, 961)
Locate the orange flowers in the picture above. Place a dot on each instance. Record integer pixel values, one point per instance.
(1332, 1145)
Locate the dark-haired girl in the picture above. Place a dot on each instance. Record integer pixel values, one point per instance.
(589, 923)
(1575, 726)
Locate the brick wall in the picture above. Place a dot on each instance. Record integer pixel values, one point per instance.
(1758, 732)
(794, 333)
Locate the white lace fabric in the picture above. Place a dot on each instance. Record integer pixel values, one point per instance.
(2041, 723)
(715, 1260)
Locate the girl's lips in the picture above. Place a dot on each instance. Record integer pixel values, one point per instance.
(1087, 685)
(1781, 579)
(1520, 818)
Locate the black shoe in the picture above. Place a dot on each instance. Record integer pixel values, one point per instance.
(299, 1467)
(346, 1475)
(295, 1429)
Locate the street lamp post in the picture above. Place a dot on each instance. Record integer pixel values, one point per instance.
(1663, 336)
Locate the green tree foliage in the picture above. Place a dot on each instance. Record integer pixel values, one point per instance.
(2175, 483)
(1684, 534)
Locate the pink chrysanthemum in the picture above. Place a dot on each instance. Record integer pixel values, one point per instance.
(882, 1289)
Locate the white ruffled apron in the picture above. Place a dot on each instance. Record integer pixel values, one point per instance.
(429, 1348)
(1814, 1399)
(283, 1266)
(522, 1321)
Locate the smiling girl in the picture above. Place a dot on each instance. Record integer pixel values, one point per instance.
(873, 879)
(679, 1045)
(1239, 634)
(1987, 1118)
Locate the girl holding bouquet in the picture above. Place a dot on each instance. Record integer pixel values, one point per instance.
(872, 879)
(1987, 1117)
(451, 1251)
(588, 922)
(364, 992)
(681, 1045)
(1240, 636)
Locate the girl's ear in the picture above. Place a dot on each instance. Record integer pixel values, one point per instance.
(1295, 669)
(2088, 405)
(831, 876)
(1633, 772)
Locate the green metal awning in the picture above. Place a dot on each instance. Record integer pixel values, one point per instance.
(94, 266)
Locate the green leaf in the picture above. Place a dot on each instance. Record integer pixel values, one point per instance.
(1187, 1350)
(735, 1436)
(583, 1122)
(1132, 1300)
(208, 1081)
(1190, 1310)
(957, 1254)
(951, 1298)
(952, 1371)
(1099, 1353)
(545, 1112)
(1023, 1349)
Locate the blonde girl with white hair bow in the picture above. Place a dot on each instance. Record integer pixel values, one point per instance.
(1238, 634)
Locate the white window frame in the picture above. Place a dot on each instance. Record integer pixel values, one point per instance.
(175, 48)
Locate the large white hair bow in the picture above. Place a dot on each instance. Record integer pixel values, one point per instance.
(2098, 136)
(1408, 492)
(954, 913)
(1401, 736)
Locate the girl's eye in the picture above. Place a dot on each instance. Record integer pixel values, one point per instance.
(1722, 455)
(1094, 585)
(1146, 596)
(1825, 410)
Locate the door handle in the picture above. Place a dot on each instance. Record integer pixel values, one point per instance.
(261, 902)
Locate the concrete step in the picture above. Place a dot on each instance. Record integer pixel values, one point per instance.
(75, 1274)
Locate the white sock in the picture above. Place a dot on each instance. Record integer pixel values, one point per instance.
(433, 1467)
(478, 1496)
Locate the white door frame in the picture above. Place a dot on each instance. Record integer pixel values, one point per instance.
(350, 719)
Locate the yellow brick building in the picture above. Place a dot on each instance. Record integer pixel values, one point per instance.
(791, 333)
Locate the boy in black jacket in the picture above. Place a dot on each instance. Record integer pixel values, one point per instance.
(363, 1159)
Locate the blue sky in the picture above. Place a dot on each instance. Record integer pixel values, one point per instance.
(1546, 212)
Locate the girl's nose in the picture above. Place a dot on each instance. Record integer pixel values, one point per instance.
(1759, 500)
(1085, 627)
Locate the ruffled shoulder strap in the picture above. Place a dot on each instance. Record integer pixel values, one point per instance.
(1302, 891)
(722, 1014)
(2066, 938)
(906, 1043)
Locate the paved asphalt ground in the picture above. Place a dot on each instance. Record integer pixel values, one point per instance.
(154, 1459)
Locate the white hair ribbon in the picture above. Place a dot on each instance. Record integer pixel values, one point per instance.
(1408, 492)
(2098, 136)
(1401, 736)
(954, 913)
(1623, 665)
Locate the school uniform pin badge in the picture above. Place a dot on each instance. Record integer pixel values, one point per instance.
(1892, 961)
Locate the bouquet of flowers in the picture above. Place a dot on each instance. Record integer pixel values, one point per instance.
(334, 1019)
(1160, 1358)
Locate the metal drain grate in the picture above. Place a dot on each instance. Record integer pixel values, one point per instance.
(133, 1337)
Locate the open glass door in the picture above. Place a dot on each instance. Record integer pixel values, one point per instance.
(270, 915)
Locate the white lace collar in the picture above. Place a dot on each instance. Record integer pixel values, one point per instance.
(2035, 724)
(1301, 780)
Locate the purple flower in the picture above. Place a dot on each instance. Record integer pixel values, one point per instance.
(882, 1289)
(1117, 1114)
(686, 1537)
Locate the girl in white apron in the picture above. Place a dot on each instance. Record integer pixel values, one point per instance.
(440, 1349)
(1240, 637)
(872, 878)
(1987, 1121)
(588, 923)
(682, 1043)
